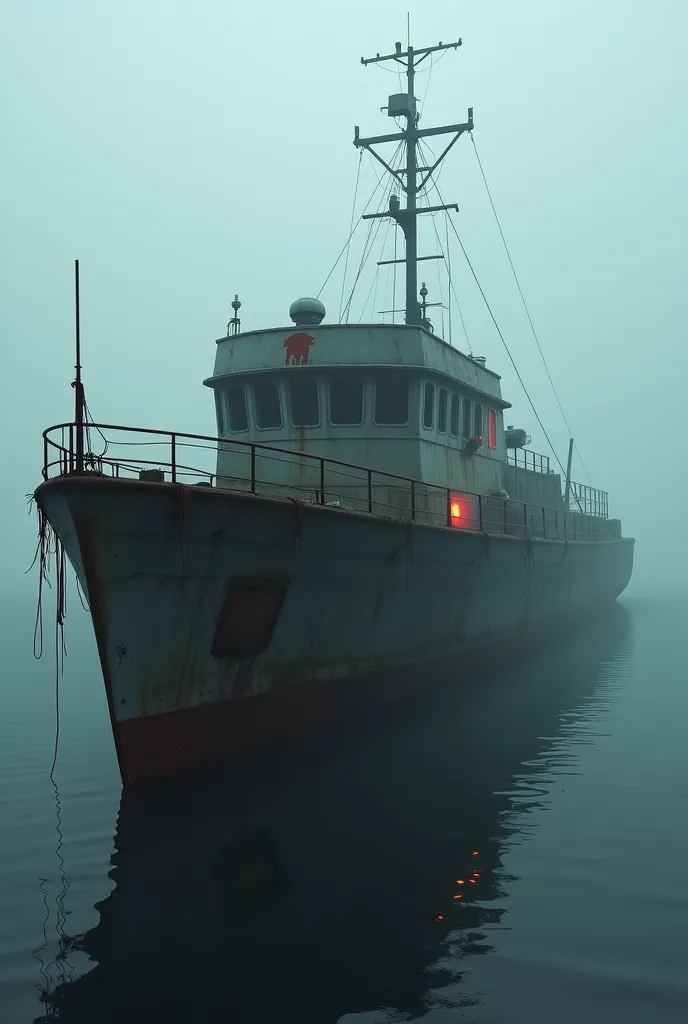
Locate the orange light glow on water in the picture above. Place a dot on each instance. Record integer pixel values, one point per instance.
(460, 881)
(440, 917)
(476, 852)
(472, 880)
(458, 897)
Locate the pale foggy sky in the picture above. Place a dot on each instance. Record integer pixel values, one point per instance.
(187, 150)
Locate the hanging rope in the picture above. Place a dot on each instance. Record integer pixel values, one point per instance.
(523, 300)
(49, 545)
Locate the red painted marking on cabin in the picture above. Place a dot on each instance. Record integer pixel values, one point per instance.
(297, 346)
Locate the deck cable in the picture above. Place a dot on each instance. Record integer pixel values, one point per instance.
(525, 304)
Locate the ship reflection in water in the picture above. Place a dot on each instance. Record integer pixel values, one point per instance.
(351, 871)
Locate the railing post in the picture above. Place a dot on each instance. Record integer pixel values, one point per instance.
(71, 447)
(480, 512)
(45, 458)
(370, 490)
(413, 499)
(173, 454)
(322, 481)
(253, 469)
(525, 519)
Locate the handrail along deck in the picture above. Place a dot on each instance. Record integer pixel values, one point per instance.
(509, 516)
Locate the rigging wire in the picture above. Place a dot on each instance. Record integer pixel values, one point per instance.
(376, 278)
(504, 343)
(523, 300)
(344, 247)
(370, 241)
(427, 84)
(439, 242)
(447, 257)
(351, 231)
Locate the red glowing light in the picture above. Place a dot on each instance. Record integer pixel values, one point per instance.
(440, 917)
(458, 897)
(458, 510)
(472, 881)
(476, 852)
(460, 881)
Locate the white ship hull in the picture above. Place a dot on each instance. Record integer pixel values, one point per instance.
(330, 595)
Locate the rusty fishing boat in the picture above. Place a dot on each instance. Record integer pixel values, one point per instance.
(362, 513)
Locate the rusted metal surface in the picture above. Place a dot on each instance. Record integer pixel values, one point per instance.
(367, 594)
(268, 470)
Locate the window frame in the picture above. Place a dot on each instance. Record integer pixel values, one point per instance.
(428, 389)
(466, 435)
(257, 383)
(388, 378)
(220, 412)
(455, 398)
(361, 381)
(442, 410)
(478, 411)
(304, 426)
(227, 404)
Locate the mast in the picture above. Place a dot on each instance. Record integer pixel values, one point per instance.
(414, 178)
(77, 383)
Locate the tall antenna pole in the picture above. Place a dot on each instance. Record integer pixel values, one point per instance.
(405, 106)
(411, 230)
(77, 384)
(567, 489)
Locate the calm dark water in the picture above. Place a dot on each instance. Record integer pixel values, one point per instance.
(316, 882)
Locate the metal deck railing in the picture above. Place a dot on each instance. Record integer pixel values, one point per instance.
(524, 458)
(190, 460)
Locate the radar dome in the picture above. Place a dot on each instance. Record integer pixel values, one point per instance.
(306, 312)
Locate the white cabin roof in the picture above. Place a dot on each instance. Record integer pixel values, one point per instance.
(372, 346)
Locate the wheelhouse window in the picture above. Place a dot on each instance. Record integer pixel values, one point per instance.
(346, 401)
(237, 412)
(466, 419)
(220, 412)
(304, 406)
(454, 415)
(391, 401)
(477, 420)
(442, 411)
(266, 404)
(428, 405)
(492, 428)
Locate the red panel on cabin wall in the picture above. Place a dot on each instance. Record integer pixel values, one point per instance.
(492, 428)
